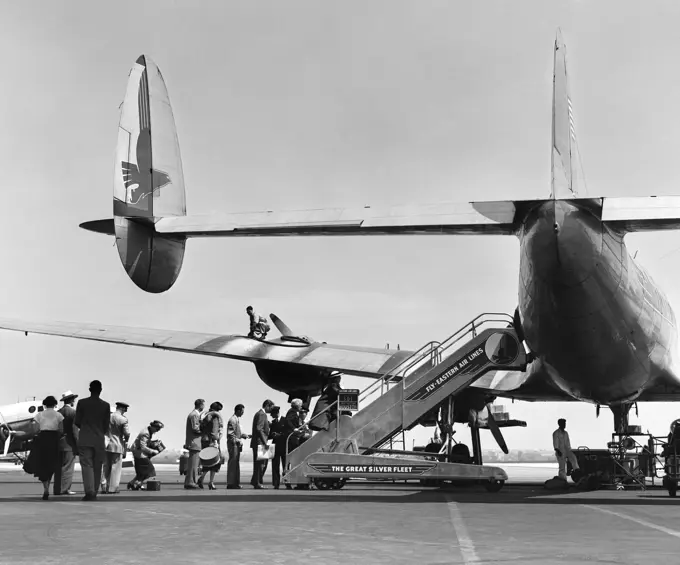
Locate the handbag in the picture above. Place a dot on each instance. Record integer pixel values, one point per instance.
(265, 452)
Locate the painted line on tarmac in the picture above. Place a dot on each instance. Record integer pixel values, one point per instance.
(651, 525)
(467, 548)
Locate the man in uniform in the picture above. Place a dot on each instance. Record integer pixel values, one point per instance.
(193, 443)
(234, 447)
(563, 450)
(93, 418)
(118, 436)
(68, 446)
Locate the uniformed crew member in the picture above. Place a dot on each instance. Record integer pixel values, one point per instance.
(118, 436)
(93, 418)
(563, 450)
(68, 446)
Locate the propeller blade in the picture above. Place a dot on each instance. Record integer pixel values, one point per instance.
(283, 328)
(496, 431)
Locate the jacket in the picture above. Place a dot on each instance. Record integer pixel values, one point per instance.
(119, 433)
(193, 431)
(140, 447)
(260, 429)
(93, 418)
(68, 441)
(234, 433)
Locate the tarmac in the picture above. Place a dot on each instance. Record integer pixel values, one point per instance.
(362, 523)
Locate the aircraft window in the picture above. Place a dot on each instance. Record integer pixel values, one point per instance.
(41, 408)
(31, 410)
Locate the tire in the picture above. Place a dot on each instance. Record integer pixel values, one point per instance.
(493, 485)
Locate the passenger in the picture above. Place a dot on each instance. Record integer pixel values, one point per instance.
(327, 401)
(673, 445)
(278, 436)
(118, 436)
(44, 458)
(234, 447)
(93, 418)
(193, 443)
(68, 447)
(305, 432)
(291, 425)
(142, 453)
(563, 450)
(213, 431)
(258, 324)
(259, 438)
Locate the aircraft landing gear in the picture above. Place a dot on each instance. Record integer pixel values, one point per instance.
(494, 485)
(329, 484)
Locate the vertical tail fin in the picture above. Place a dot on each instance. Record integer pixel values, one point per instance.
(566, 162)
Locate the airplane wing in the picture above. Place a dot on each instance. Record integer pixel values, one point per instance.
(352, 360)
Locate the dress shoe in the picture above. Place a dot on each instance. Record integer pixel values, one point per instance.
(190, 487)
(69, 492)
(46, 496)
(259, 487)
(235, 487)
(199, 483)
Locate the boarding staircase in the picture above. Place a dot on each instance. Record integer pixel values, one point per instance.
(402, 395)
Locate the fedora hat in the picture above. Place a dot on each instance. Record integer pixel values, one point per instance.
(68, 395)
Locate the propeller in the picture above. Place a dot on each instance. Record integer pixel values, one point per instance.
(496, 431)
(283, 328)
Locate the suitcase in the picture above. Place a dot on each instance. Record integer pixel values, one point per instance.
(153, 484)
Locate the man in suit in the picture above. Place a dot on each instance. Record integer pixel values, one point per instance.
(259, 437)
(193, 443)
(93, 418)
(234, 447)
(68, 447)
(118, 436)
(278, 435)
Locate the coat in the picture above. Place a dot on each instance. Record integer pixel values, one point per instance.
(119, 433)
(193, 431)
(260, 429)
(93, 418)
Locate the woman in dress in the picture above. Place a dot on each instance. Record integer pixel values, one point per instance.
(213, 430)
(143, 452)
(44, 457)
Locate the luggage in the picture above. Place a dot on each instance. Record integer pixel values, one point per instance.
(153, 484)
(555, 484)
(210, 456)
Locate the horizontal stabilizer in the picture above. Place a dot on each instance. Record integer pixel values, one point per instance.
(447, 218)
(642, 213)
(100, 226)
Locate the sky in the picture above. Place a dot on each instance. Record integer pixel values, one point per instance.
(314, 104)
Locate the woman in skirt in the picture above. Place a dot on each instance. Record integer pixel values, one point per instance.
(213, 430)
(143, 452)
(44, 457)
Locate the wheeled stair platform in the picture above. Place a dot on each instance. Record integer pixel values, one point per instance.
(419, 384)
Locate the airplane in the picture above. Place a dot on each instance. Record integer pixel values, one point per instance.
(598, 328)
(18, 428)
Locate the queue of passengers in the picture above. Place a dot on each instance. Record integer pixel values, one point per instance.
(207, 431)
(97, 436)
(100, 439)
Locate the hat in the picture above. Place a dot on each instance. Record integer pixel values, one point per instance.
(123, 404)
(68, 395)
(157, 424)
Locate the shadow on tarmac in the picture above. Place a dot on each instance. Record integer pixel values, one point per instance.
(471, 495)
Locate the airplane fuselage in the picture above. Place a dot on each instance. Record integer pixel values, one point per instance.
(596, 321)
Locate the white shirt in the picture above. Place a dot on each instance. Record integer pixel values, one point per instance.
(49, 420)
(561, 440)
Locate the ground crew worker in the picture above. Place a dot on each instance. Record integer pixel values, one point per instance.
(118, 436)
(563, 450)
(257, 323)
(68, 446)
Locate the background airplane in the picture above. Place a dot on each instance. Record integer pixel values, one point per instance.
(600, 329)
(18, 428)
